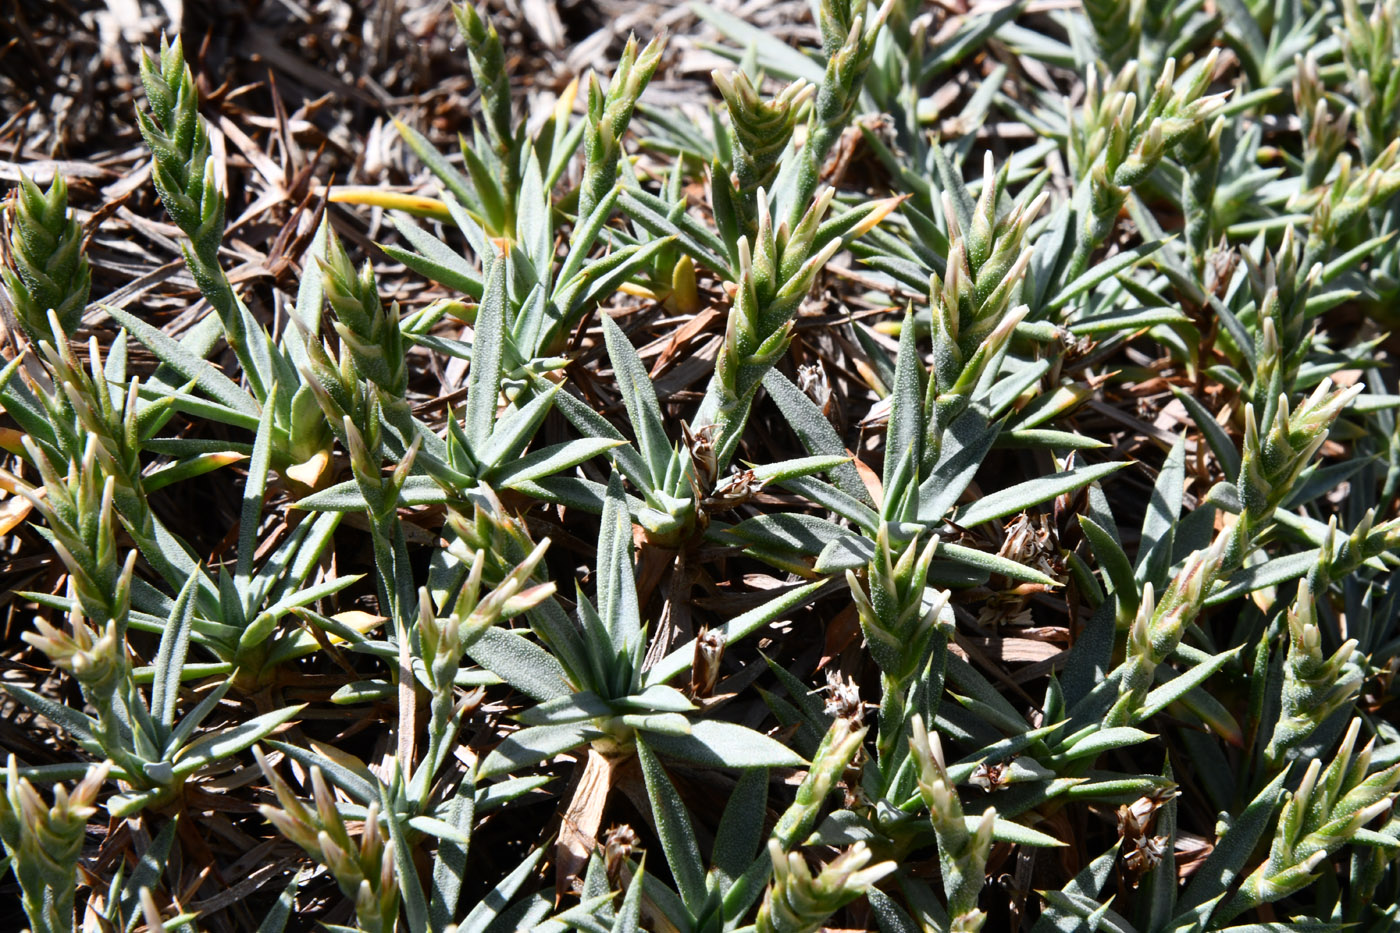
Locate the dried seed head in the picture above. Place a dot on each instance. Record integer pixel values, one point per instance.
(1135, 820)
(618, 847)
(989, 777)
(843, 698)
(704, 668)
(701, 445)
(733, 492)
(813, 381)
(1032, 540)
(1143, 855)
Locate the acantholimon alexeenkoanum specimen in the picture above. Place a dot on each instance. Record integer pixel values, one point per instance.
(946, 479)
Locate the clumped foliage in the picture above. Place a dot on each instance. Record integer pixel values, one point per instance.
(1019, 551)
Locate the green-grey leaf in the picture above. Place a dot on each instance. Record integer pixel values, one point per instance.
(1032, 492)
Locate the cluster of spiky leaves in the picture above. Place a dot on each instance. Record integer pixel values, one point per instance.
(1212, 595)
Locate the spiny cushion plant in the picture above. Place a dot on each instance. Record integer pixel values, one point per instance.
(952, 485)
